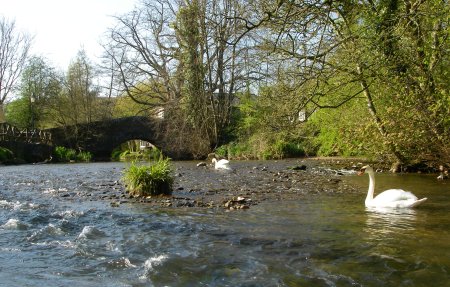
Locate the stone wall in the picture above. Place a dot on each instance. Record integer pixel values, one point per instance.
(29, 152)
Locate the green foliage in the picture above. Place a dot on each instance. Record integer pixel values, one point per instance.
(235, 150)
(261, 147)
(131, 151)
(40, 87)
(267, 125)
(144, 180)
(18, 113)
(144, 155)
(222, 151)
(5, 154)
(115, 155)
(63, 154)
(84, 156)
(285, 149)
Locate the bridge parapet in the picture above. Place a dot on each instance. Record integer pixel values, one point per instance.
(9, 133)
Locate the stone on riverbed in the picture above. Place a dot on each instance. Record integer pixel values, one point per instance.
(239, 202)
(298, 167)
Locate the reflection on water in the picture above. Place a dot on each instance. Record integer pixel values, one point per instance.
(384, 221)
(316, 240)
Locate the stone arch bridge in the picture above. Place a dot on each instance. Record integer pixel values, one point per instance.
(102, 137)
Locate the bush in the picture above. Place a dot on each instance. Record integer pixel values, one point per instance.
(5, 154)
(63, 154)
(115, 155)
(284, 149)
(84, 156)
(142, 155)
(150, 180)
(261, 147)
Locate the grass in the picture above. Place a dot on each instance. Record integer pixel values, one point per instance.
(149, 180)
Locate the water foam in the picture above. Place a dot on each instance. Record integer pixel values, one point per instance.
(9, 204)
(13, 223)
(151, 263)
(17, 205)
(91, 232)
(49, 230)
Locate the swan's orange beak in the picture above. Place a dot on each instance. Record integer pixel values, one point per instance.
(361, 172)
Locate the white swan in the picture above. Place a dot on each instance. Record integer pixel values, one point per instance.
(221, 164)
(393, 198)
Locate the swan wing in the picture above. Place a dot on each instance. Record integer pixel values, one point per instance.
(394, 195)
(396, 198)
(222, 164)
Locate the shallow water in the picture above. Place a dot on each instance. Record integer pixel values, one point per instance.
(315, 240)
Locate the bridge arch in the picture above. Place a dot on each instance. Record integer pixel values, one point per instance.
(102, 137)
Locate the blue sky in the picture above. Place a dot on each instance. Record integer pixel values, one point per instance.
(62, 27)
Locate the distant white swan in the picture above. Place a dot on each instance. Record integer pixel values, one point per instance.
(221, 164)
(393, 198)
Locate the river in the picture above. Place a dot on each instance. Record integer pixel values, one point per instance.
(54, 233)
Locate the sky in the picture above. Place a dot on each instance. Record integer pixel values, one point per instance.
(63, 27)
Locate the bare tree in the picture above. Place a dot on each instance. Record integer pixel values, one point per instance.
(140, 54)
(182, 56)
(14, 48)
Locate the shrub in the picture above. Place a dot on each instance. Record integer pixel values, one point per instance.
(71, 154)
(144, 180)
(222, 151)
(261, 147)
(153, 153)
(115, 155)
(63, 154)
(84, 156)
(142, 155)
(60, 154)
(283, 149)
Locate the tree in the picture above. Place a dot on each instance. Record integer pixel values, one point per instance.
(140, 55)
(40, 86)
(390, 52)
(78, 102)
(18, 113)
(401, 65)
(183, 57)
(14, 48)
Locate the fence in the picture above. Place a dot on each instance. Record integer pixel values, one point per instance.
(9, 133)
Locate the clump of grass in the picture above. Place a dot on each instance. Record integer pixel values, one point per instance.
(148, 180)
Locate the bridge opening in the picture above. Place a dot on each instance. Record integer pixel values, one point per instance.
(136, 150)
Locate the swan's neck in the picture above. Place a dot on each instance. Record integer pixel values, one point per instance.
(369, 197)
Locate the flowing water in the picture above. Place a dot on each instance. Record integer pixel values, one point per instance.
(50, 239)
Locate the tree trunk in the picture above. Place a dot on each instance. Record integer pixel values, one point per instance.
(370, 105)
(2, 114)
